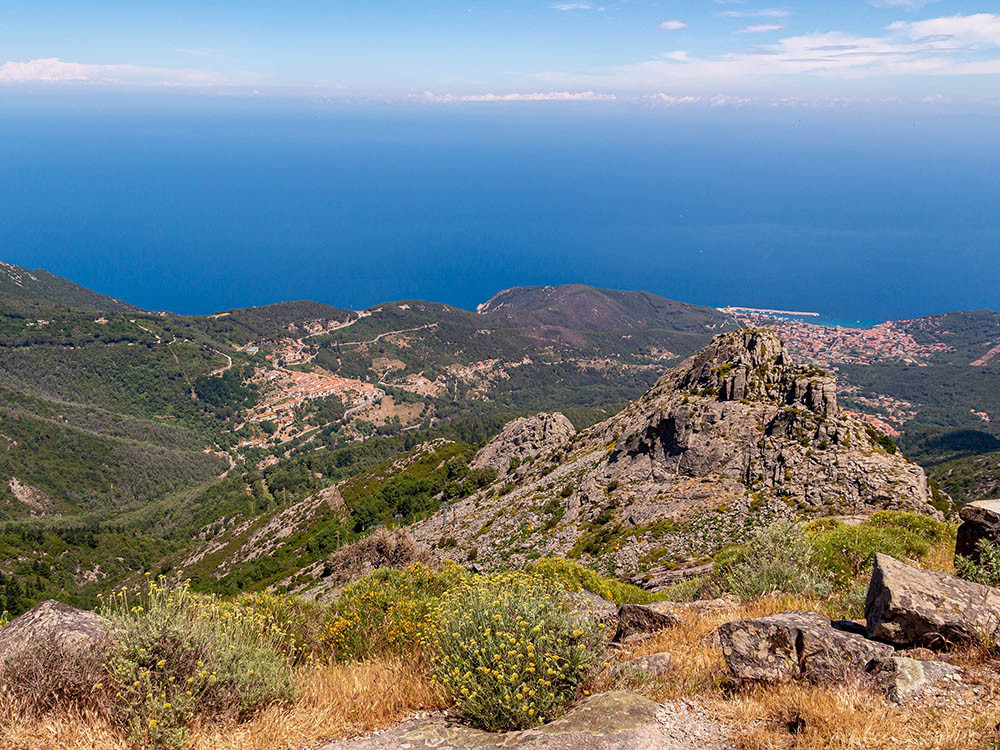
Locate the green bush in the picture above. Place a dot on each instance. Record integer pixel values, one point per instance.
(180, 655)
(572, 576)
(847, 552)
(509, 651)
(778, 558)
(986, 570)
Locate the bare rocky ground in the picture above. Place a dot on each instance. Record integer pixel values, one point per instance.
(609, 721)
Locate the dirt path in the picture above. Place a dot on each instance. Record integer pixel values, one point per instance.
(388, 333)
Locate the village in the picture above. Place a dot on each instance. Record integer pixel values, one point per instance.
(828, 346)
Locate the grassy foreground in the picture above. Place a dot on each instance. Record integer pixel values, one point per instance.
(502, 650)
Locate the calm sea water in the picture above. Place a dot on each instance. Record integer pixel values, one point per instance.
(201, 205)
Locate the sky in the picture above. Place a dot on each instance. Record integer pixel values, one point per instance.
(668, 53)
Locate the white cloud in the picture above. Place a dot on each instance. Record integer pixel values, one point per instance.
(954, 45)
(759, 28)
(762, 13)
(574, 6)
(538, 96)
(981, 29)
(54, 70)
(672, 25)
(672, 101)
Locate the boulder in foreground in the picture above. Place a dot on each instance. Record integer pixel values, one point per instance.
(908, 606)
(52, 624)
(782, 647)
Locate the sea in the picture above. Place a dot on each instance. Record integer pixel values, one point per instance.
(198, 204)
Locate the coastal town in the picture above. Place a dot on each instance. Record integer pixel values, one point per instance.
(830, 346)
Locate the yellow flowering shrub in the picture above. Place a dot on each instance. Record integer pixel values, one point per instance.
(510, 650)
(179, 655)
(387, 611)
(572, 576)
(4, 618)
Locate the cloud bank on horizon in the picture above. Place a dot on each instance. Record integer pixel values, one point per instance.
(722, 52)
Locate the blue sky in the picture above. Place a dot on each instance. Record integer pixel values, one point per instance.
(682, 52)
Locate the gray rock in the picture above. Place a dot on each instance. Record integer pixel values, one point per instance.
(609, 721)
(794, 644)
(52, 623)
(591, 605)
(980, 520)
(643, 619)
(905, 679)
(654, 665)
(524, 438)
(907, 606)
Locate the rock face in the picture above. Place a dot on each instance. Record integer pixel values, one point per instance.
(907, 606)
(52, 623)
(524, 438)
(741, 409)
(980, 520)
(905, 679)
(794, 644)
(731, 439)
(609, 721)
(600, 609)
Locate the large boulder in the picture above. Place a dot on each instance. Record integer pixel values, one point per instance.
(909, 606)
(794, 644)
(52, 624)
(524, 438)
(980, 520)
(609, 721)
(644, 619)
(589, 604)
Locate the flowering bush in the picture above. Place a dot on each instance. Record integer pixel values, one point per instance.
(509, 650)
(387, 611)
(179, 655)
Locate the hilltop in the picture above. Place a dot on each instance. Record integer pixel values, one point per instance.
(26, 289)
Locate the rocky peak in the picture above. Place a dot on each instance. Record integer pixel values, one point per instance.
(754, 365)
(524, 438)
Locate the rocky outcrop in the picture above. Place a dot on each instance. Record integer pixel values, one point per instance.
(794, 644)
(52, 624)
(734, 438)
(980, 520)
(609, 721)
(523, 439)
(908, 606)
(905, 679)
(741, 410)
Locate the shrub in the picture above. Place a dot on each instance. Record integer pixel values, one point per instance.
(778, 558)
(847, 552)
(386, 611)
(986, 570)
(508, 650)
(180, 655)
(572, 576)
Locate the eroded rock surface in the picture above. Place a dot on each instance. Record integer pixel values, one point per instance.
(610, 721)
(794, 644)
(642, 619)
(905, 679)
(909, 606)
(55, 624)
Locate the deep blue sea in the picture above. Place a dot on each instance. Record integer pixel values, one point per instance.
(198, 205)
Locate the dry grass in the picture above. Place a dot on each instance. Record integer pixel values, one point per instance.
(800, 716)
(333, 702)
